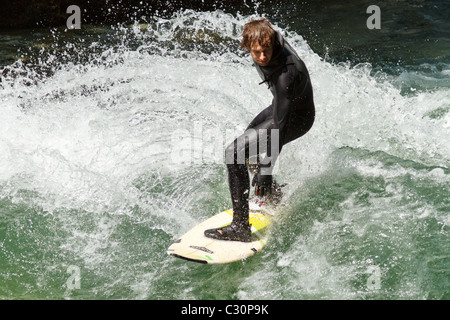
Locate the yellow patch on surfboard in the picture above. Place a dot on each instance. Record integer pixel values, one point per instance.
(194, 246)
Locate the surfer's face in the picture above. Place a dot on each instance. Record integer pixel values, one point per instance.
(260, 54)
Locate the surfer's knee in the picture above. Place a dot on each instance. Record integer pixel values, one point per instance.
(242, 148)
(235, 154)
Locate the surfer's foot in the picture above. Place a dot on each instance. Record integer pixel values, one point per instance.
(232, 232)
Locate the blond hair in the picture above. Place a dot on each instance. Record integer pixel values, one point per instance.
(258, 32)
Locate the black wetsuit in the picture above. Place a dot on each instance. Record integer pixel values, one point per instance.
(292, 112)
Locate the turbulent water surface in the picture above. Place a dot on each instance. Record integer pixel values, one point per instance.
(112, 142)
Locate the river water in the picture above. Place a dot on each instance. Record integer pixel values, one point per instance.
(112, 142)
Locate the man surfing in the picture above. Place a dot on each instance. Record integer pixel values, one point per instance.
(289, 117)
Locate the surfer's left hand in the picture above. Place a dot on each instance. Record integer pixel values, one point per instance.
(262, 184)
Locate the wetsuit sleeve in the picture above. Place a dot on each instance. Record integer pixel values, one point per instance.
(283, 97)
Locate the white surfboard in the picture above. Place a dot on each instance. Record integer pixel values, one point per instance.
(194, 246)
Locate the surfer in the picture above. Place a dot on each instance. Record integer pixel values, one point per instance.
(289, 117)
